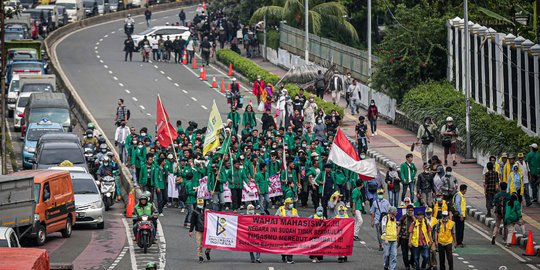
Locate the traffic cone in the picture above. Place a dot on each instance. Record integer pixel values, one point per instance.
(201, 73)
(514, 240)
(529, 250)
(230, 70)
(204, 74)
(130, 205)
(194, 63)
(184, 58)
(222, 90)
(229, 87)
(214, 83)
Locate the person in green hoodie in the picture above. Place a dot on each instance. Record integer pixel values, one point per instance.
(137, 158)
(145, 175)
(236, 177)
(234, 116)
(217, 191)
(158, 176)
(512, 216)
(191, 197)
(261, 179)
(248, 117)
(341, 182)
(407, 172)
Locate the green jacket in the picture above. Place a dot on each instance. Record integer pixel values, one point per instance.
(144, 177)
(192, 194)
(137, 156)
(512, 214)
(357, 198)
(249, 118)
(405, 174)
(339, 176)
(236, 178)
(533, 158)
(158, 176)
(212, 183)
(235, 117)
(143, 210)
(262, 182)
(274, 167)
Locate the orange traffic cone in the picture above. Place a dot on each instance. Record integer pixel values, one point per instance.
(514, 240)
(130, 205)
(194, 63)
(230, 70)
(204, 74)
(184, 58)
(201, 73)
(529, 250)
(214, 83)
(222, 90)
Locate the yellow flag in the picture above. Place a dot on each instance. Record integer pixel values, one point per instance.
(211, 139)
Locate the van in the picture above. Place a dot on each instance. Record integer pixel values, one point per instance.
(55, 203)
(74, 8)
(51, 107)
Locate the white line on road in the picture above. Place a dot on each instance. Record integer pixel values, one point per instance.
(177, 85)
(165, 17)
(95, 48)
(194, 99)
(270, 268)
(148, 114)
(113, 32)
(96, 52)
(98, 56)
(134, 98)
(97, 43)
(130, 244)
(204, 107)
(115, 78)
(140, 22)
(162, 72)
(101, 61)
(121, 84)
(156, 66)
(169, 78)
(162, 245)
(142, 107)
(185, 91)
(105, 66)
(100, 39)
(105, 36)
(127, 91)
(110, 71)
(119, 258)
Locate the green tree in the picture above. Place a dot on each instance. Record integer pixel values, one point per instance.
(321, 16)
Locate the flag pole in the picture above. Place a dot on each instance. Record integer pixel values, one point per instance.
(168, 129)
(220, 165)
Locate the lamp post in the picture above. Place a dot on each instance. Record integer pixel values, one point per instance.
(3, 117)
(370, 95)
(467, 84)
(306, 22)
(264, 39)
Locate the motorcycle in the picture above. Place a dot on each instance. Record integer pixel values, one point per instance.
(108, 190)
(145, 232)
(89, 152)
(128, 29)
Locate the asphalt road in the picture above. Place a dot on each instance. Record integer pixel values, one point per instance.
(94, 62)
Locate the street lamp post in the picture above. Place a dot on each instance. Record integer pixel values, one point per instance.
(467, 84)
(3, 117)
(264, 39)
(370, 95)
(306, 22)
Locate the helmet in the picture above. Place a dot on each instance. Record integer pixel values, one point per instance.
(101, 140)
(143, 197)
(342, 207)
(429, 210)
(148, 194)
(129, 15)
(380, 191)
(90, 125)
(150, 265)
(106, 159)
(89, 132)
(103, 148)
(449, 119)
(288, 200)
(110, 154)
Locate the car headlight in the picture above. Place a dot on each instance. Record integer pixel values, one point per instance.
(96, 205)
(12, 100)
(29, 149)
(36, 217)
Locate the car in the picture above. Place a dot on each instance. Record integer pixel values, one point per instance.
(27, 67)
(14, 34)
(53, 153)
(153, 33)
(13, 93)
(88, 203)
(51, 106)
(22, 100)
(58, 137)
(69, 169)
(33, 134)
(90, 8)
(8, 238)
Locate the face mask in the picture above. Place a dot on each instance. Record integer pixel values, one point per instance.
(251, 212)
(320, 122)
(200, 206)
(319, 213)
(290, 206)
(372, 103)
(143, 134)
(106, 163)
(380, 197)
(103, 150)
(304, 145)
(341, 215)
(362, 156)
(140, 146)
(349, 76)
(448, 173)
(89, 136)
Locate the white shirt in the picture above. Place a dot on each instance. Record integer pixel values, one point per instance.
(121, 134)
(525, 171)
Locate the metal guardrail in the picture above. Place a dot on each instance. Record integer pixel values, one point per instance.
(78, 108)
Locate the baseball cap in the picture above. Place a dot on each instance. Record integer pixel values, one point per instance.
(534, 145)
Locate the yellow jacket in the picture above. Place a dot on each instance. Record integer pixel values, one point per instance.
(512, 185)
(508, 170)
(283, 212)
(415, 237)
(444, 207)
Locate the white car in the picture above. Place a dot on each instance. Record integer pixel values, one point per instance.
(19, 109)
(8, 238)
(88, 203)
(153, 33)
(13, 92)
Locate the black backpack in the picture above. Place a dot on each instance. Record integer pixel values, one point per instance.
(128, 114)
(499, 206)
(182, 195)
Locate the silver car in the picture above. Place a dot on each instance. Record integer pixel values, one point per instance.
(88, 204)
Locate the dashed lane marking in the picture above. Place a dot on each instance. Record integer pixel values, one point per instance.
(98, 56)
(121, 84)
(101, 61)
(129, 232)
(177, 85)
(95, 48)
(140, 22)
(96, 52)
(113, 32)
(105, 66)
(134, 98)
(105, 36)
(169, 78)
(110, 72)
(194, 99)
(142, 107)
(156, 66)
(119, 258)
(185, 91)
(148, 114)
(204, 107)
(127, 91)
(162, 72)
(115, 78)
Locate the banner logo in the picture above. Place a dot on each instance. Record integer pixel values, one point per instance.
(221, 227)
(221, 230)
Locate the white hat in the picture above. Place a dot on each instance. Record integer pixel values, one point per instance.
(445, 213)
(234, 79)
(534, 145)
(449, 119)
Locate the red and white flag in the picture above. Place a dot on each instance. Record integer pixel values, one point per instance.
(166, 133)
(344, 155)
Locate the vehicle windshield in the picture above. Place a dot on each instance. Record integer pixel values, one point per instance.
(22, 101)
(67, 5)
(35, 14)
(84, 186)
(56, 156)
(14, 36)
(146, 32)
(101, 2)
(25, 66)
(22, 55)
(37, 189)
(55, 115)
(36, 87)
(35, 133)
(88, 4)
(14, 86)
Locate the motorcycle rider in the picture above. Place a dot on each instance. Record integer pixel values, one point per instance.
(144, 207)
(151, 266)
(129, 23)
(102, 153)
(107, 167)
(89, 138)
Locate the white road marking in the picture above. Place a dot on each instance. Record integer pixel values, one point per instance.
(153, 20)
(134, 98)
(177, 85)
(110, 72)
(465, 262)
(105, 36)
(97, 43)
(101, 61)
(204, 107)
(119, 258)
(96, 52)
(142, 107)
(185, 91)
(155, 66)
(207, 83)
(148, 114)
(98, 56)
(165, 17)
(194, 99)
(113, 32)
(270, 268)
(121, 84)
(140, 22)
(130, 245)
(119, 29)
(162, 245)
(100, 39)
(460, 258)
(105, 66)
(95, 48)
(169, 78)
(127, 91)
(115, 78)
(162, 72)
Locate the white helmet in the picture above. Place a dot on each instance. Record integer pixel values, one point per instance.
(449, 119)
(129, 15)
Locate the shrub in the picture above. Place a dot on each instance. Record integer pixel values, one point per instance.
(272, 38)
(250, 70)
(491, 133)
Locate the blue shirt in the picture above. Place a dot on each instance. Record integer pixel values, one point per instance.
(517, 181)
(379, 207)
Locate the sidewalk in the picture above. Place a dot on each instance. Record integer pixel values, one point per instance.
(392, 144)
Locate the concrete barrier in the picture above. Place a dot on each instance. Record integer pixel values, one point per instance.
(79, 110)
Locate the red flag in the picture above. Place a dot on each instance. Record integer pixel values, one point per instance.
(165, 131)
(344, 155)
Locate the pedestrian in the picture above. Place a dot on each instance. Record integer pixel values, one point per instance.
(158, 177)
(358, 208)
(491, 182)
(342, 213)
(248, 117)
(320, 84)
(122, 113)
(267, 121)
(526, 176)
(191, 44)
(178, 48)
(432, 221)
(378, 210)
(373, 116)
(425, 135)
(347, 81)
(393, 185)
(425, 188)
(440, 205)
(191, 199)
(258, 88)
(129, 48)
(508, 169)
(533, 160)
(515, 182)
(234, 116)
(449, 135)
(318, 215)
(460, 215)
(389, 235)
(445, 240)
(147, 17)
(254, 256)
(362, 137)
(336, 87)
(355, 97)
(182, 17)
(499, 202)
(327, 187)
(437, 179)
(261, 179)
(287, 210)
(156, 56)
(120, 136)
(405, 222)
(236, 178)
(407, 172)
(168, 44)
(448, 185)
(310, 107)
(205, 50)
(197, 224)
(512, 216)
(420, 240)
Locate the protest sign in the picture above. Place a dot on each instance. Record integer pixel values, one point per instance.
(274, 186)
(202, 190)
(250, 192)
(278, 235)
(227, 195)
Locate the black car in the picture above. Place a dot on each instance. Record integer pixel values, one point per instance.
(90, 8)
(51, 154)
(58, 137)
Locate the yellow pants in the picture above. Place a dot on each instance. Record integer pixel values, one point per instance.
(199, 238)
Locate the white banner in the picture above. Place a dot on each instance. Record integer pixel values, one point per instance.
(227, 195)
(202, 190)
(220, 230)
(250, 192)
(274, 186)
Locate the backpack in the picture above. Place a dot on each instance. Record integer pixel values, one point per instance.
(128, 114)
(319, 83)
(182, 195)
(427, 138)
(499, 206)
